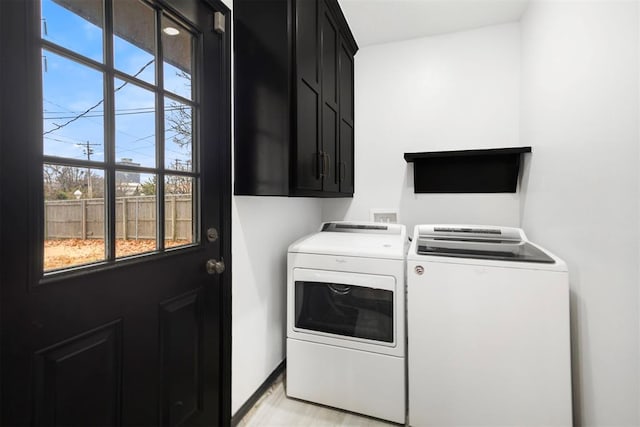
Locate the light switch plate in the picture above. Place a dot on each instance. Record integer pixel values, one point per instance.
(389, 216)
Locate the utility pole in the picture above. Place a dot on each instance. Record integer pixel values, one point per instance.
(88, 151)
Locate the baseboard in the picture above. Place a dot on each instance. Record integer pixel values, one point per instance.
(251, 401)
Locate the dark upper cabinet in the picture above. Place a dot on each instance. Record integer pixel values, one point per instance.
(293, 99)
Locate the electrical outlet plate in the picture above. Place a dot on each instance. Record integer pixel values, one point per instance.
(389, 216)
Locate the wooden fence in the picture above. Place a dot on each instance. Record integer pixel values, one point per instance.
(135, 218)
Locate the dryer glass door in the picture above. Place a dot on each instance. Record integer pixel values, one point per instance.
(341, 307)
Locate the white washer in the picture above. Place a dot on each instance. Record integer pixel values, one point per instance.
(488, 329)
(346, 318)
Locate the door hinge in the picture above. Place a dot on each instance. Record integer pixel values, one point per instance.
(219, 22)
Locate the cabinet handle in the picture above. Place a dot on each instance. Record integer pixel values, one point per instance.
(328, 168)
(343, 170)
(320, 168)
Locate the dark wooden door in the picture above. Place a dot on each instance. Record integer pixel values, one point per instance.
(114, 135)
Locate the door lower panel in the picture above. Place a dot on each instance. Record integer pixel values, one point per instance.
(77, 382)
(181, 333)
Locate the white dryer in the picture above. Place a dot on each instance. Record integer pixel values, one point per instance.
(346, 318)
(488, 329)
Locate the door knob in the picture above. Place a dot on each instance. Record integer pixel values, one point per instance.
(215, 267)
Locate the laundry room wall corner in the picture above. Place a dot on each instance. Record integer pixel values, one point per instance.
(580, 106)
(263, 229)
(445, 92)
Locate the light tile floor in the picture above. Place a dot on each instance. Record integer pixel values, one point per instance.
(274, 408)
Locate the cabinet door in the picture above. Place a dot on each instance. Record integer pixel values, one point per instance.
(307, 159)
(262, 98)
(345, 167)
(329, 39)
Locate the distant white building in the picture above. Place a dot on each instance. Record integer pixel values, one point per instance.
(127, 176)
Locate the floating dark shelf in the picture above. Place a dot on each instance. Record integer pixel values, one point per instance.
(467, 171)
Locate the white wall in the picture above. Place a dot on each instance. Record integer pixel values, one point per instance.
(262, 229)
(455, 91)
(580, 192)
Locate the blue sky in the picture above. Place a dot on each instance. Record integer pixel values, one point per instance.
(70, 88)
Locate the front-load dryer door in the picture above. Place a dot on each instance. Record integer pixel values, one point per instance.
(346, 309)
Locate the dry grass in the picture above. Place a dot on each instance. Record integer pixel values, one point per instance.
(65, 253)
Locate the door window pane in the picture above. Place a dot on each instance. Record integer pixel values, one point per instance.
(75, 25)
(136, 213)
(177, 51)
(179, 207)
(135, 124)
(74, 207)
(134, 40)
(73, 109)
(178, 139)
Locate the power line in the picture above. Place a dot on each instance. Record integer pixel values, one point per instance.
(85, 117)
(95, 115)
(97, 111)
(174, 108)
(60, 140)
(128, 113)
(137, 149)
(96, 122)
(172, 128)
(87, 111)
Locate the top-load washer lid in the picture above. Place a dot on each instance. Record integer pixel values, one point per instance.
(479, 242)
(356, 239)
